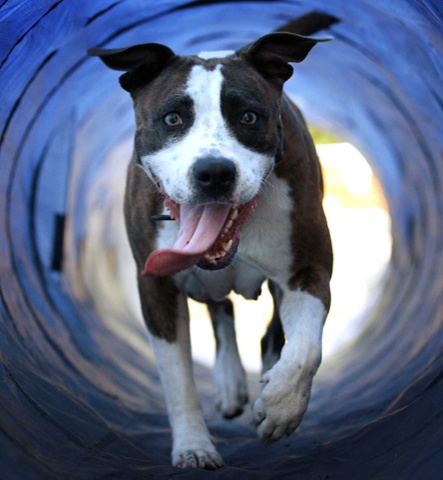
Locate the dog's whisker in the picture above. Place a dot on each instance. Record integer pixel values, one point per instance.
(266, 185)
(134, 165)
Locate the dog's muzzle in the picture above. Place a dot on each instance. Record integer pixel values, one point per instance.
(209, 227)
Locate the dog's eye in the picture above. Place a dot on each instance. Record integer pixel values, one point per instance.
(249, 118)
(172, 119)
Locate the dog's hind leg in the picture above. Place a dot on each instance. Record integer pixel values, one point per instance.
(274, 338)
(229, 375)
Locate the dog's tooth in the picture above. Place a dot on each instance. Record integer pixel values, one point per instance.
(234, 213)
(226, 246)
(229, 224)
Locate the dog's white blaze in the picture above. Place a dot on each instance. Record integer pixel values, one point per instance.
(209, 135)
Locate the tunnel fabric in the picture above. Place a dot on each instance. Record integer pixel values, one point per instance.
(80, 399)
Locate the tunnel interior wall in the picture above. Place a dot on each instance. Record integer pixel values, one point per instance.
(80, 395)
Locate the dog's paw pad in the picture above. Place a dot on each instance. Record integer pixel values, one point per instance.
(270, 429)
(278, 411)
(199, 458)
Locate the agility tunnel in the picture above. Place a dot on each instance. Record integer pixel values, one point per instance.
(80, 396)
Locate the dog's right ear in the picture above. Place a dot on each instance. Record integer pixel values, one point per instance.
(141, 62)
(272, 54)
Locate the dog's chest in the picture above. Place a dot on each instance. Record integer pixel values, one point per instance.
(265, 250)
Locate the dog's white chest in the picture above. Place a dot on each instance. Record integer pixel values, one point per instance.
(241, 278)
(264, 251)
(266, 240)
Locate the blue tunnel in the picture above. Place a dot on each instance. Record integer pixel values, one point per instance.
(80, 397)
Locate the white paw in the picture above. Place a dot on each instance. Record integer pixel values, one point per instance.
(197, 458)
(230, 387)
(281, 406)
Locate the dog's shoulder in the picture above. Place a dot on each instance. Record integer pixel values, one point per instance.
(300, 157)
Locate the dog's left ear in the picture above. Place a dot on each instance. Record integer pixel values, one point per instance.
(141, 62)
(272, 54)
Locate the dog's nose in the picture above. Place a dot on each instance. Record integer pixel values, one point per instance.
(215, 177)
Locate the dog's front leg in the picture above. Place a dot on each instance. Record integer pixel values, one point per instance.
(287, 385)
(192, 446)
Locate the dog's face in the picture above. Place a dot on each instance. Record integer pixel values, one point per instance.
(208, 135)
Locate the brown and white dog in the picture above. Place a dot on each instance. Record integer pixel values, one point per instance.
(222, 152)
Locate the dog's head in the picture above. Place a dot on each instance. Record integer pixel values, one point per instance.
(208, 135)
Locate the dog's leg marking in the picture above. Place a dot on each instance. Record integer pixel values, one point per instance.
(229, 375)
(192, 446)
(284, 398)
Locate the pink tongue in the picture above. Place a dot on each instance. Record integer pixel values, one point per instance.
(200, 227)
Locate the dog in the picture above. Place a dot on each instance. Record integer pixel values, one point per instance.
(224, 190)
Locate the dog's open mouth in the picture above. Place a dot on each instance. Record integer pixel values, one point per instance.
(208, 237)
